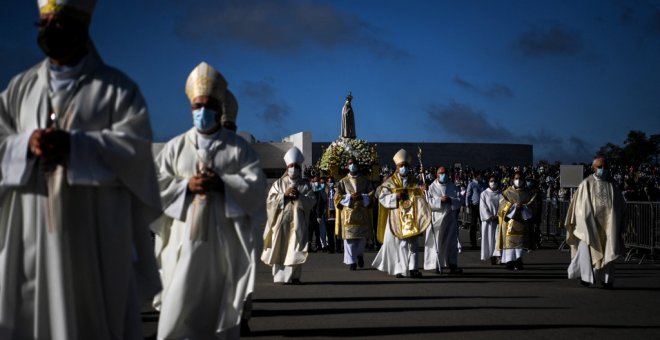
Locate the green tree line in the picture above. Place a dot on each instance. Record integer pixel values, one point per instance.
(637, 149)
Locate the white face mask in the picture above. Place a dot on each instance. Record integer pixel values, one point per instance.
(353, 168)
(517, 183)
(492, 185)
(293, 172)
(403, 171)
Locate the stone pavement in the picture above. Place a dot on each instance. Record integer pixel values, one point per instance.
(486, 301)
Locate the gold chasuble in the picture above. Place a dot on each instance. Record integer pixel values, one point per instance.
(411, 217)
(515, 222)
(356, 220)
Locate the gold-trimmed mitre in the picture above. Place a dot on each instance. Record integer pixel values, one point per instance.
(80, 9)
(231, 108)
(402, 156)
(204, 80)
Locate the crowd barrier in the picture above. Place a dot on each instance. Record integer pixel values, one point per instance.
(641, 227)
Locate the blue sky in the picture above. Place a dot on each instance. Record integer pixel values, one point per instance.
(565, 76)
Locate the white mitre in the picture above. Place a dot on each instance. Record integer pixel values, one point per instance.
(293, 156)
(204, 80)
(231, 108)
(78, 8)
(402, 156)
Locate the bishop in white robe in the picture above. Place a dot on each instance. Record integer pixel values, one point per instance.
(403, 216)
(289, 204)
(206, 243)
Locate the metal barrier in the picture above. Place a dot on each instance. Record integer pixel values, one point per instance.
(553, 215)
(641, 226)
(641, 229)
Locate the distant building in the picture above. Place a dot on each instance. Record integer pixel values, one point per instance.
(475, 155)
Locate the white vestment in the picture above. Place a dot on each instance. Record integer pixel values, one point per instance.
(285, 235)
(440, 246)
(489, 204)
(593, 225)
(76, 261)
(206, 253)
(396, 256)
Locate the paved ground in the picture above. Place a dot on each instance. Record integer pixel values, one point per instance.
(485, 302)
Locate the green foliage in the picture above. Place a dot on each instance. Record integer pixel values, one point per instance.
(637, 149)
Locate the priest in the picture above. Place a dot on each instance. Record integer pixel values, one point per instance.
(515, 210)
(354, 221)
(440, 246)
(78, 191)
(593, 228)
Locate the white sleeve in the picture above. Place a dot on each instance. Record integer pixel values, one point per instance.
(86, 166)
(16, 165)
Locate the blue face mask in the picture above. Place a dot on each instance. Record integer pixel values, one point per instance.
(353, 168)
(600, 172)
(403, 171)
(442, 178)
(322, 186)
(204, 119)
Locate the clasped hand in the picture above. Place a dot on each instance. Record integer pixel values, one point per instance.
(291, 193)
(51, 145)
(205, 182)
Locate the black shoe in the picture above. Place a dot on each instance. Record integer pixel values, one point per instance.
(324, 249)
(453, 269)
(510, 265)
(296, 282)
(399, 276)
(415, 274)
(608, 285)
(585, 283)
(360, 261)
(353, 266)
(493, 260)
(518, 265)
(438, 271)
(245, 328)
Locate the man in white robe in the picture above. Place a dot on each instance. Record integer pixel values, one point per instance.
(77, 191)
(594, 224)
(440, 246)
(489, 204)
(403, 216)
(289, 204)
(212, 190)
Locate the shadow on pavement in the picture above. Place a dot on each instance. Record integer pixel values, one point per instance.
(385, 331)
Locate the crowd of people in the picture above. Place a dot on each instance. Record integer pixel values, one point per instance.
(81, 196)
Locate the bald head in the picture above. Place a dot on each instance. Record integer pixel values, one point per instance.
(599, 167)
(598, 162)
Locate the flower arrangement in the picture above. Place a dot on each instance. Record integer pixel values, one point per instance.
(338, 152)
